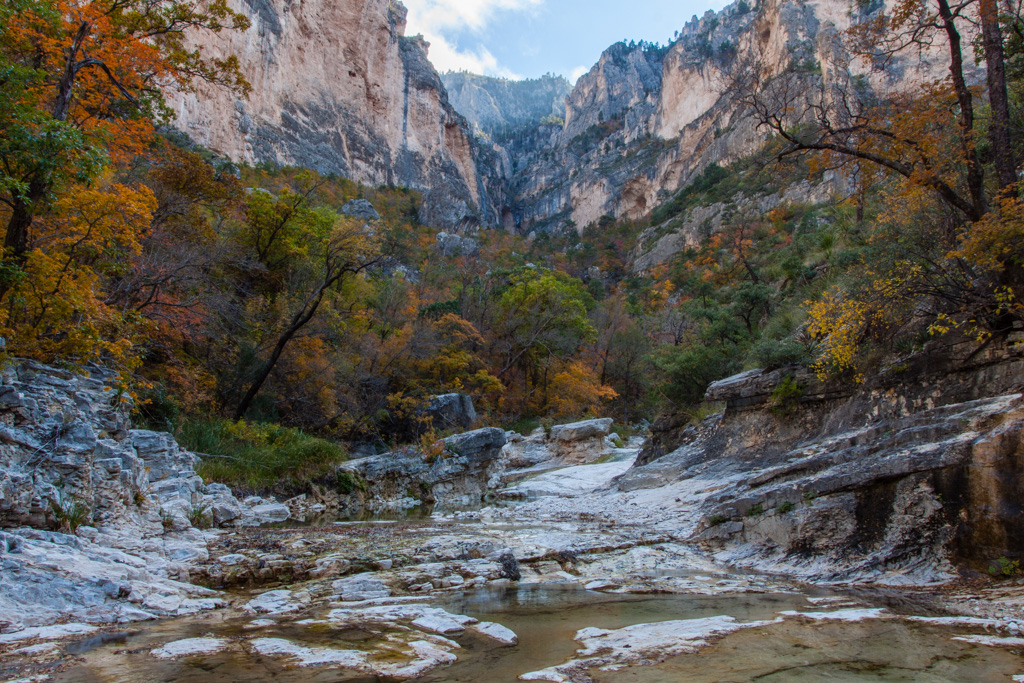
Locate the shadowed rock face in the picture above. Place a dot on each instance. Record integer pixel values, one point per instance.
(919, 469)
(338, 88)
(495, 105)
(460, 476)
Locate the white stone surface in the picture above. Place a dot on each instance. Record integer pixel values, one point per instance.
(503, 635)
(47, 632)
(991, 641)
(840, 615)
(190, 647)
(308, 656)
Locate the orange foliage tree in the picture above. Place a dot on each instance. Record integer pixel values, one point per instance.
(82, 83)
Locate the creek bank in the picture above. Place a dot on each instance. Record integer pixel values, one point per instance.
(70, 459)
(384, 589)
(910, 479)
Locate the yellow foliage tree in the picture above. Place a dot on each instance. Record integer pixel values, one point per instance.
(56, 306)
(576, 390)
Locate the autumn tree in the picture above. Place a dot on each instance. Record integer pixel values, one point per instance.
(942, 153)
(82, 83)
(304, 254)
(541, 317)
(55, 307)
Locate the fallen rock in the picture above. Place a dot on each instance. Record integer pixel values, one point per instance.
(578, 431)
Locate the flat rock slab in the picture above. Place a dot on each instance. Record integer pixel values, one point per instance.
(190, 647)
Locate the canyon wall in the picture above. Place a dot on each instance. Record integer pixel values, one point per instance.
(647, 119)
(915, 472)
(339, 88)
(496, 104)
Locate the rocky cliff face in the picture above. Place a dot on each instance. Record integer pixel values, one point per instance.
(69, 458)
(647, 119)
(494, 105)
(912, 475)
(337, 87)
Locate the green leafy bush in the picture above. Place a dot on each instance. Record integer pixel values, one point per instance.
(786, 396)
(259, 458)
(775, 353)
(1006, 568)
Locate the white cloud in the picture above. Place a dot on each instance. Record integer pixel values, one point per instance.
(442, 21)
(577, 72)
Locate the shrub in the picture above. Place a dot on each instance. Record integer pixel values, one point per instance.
(69, 514)
(524, 425)
(775, 353)
(349, 482)
(715, 520)
(1006, 568)
(786, 396)
(756, 510)
(785, 507)
(259, 458)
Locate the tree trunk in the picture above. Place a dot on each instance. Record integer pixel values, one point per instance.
(16, 238)
(975, 174)
(298, 322)
(995, 68)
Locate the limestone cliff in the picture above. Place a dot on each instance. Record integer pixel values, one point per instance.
(339, 88)
(494, 105)
(647, 119)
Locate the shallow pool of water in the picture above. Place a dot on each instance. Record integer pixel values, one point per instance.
(547, 617)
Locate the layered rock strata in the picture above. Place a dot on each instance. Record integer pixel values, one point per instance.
(69, 460)
(646, 119)
(915, 474)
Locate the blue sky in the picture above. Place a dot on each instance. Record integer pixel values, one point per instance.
(527, 38)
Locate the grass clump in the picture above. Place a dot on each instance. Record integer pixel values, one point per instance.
(756, 510)
(69, 515)
(524, 425)
(199, 516)
(785, 507)
(259, 458)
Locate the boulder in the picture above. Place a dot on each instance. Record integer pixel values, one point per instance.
(361, 587)
(579, 431)
(449, 411)
(456, 245)
(478, 446)
(460, 476)
(271, 513)
(361, 209)
(163, 457)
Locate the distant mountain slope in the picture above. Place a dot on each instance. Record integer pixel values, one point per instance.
(497, 104)
(648, 119)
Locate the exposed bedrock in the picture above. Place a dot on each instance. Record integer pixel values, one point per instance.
(339, 88)
(917, 472)
(460, 473)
